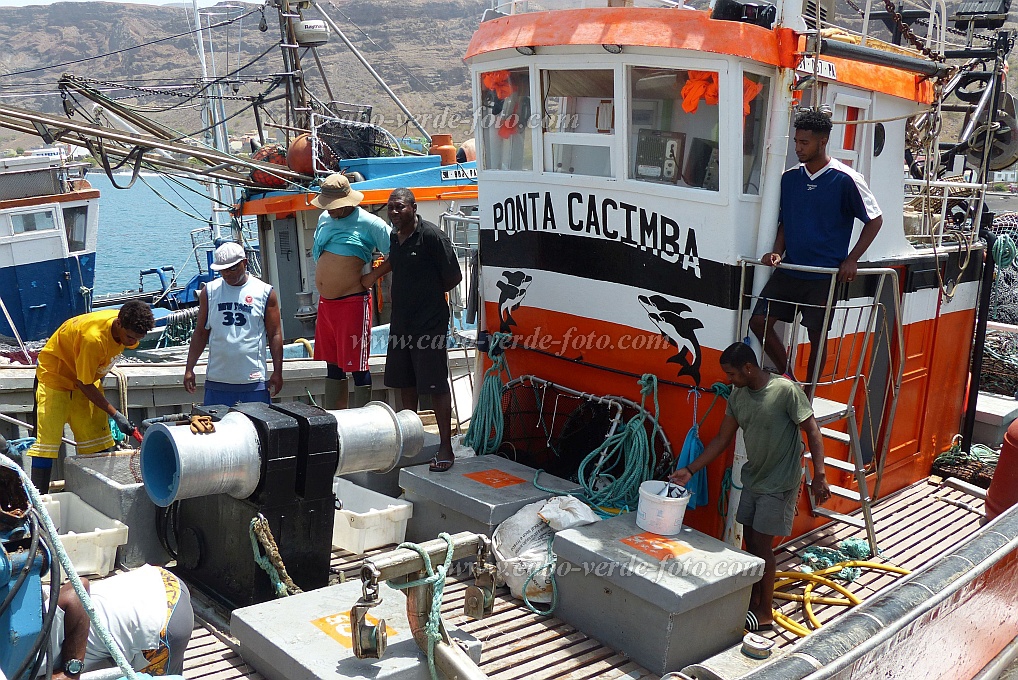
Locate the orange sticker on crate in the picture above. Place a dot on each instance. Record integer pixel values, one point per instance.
(658, 547)
(496, 479)
(337, 627)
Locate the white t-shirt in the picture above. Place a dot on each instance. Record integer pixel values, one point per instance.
(132, 607)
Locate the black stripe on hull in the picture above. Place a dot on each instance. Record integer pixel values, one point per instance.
(602, 260)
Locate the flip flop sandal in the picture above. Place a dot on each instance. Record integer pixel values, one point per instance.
(753, 624)
(438, 465)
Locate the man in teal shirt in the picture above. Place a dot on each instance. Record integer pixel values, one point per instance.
(771, 410)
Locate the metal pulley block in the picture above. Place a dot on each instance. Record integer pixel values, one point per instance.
(479, 599)
(369, 640)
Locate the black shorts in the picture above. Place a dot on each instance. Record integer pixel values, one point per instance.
(420, 362)
(783, 293)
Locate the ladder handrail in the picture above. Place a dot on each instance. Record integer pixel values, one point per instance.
(897, 358)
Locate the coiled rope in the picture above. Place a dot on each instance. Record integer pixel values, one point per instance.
(436, 579)
(485, 433)
(628, 446)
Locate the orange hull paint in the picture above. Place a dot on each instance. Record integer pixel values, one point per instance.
(910, 456)
(686, 30)
(291, 203)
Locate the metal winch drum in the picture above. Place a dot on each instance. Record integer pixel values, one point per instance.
(177, 464)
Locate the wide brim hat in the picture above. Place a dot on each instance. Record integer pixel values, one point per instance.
(337, 193)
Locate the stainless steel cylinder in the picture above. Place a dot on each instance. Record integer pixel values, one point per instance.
(178, 464)
(375, 437)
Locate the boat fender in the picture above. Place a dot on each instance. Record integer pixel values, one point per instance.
(1003, 491)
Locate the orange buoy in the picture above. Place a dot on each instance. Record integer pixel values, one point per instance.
(300, 159)
(441, 145)
(1003, 491)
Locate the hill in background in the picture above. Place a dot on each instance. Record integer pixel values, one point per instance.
(416, 46)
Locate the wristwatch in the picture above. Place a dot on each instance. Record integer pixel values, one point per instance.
(74, 666)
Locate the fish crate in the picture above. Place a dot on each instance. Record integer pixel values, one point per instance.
(89, 537)
(367, 519)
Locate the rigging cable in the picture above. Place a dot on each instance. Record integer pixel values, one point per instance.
(116, 52)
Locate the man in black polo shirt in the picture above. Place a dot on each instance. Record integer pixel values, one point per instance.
(424, 268)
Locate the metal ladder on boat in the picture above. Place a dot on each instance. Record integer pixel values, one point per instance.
(866, 335)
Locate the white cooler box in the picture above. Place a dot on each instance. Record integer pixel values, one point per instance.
(368, 519)
(90, 538)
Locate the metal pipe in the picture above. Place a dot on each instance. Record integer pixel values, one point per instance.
(403, 561)
(15, 421)
(178, 464)
(374, 74)
(375, 437)
(833, 48)
(450, 659)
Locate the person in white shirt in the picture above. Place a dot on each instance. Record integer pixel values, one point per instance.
(147, 612)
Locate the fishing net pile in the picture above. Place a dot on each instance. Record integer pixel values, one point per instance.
(554, 430)
(1000, 362)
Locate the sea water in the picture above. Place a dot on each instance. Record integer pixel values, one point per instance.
(139, 230)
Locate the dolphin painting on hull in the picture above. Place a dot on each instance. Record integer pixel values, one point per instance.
(678, 330)
(513, 287)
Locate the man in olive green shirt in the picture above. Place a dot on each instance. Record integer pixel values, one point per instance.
(770, 410)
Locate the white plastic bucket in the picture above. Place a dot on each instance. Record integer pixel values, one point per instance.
(659, 514)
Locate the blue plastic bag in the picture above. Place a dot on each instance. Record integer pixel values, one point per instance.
(691, 450)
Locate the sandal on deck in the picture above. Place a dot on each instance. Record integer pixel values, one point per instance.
(753, 624)
(436, 464)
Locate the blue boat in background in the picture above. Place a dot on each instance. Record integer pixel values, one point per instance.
(48, 227)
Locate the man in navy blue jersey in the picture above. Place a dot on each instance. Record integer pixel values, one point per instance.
(821, 199)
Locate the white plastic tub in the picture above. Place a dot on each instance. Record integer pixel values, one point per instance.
(659, 514)
(90, 538)
(368, 519)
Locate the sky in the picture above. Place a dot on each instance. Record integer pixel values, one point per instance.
(26, 3)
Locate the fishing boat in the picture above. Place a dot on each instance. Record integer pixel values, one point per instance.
(48, 222)
(629, 163)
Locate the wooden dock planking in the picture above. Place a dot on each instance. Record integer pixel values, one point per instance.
(913, 528)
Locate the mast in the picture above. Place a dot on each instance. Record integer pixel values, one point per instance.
(216, 135)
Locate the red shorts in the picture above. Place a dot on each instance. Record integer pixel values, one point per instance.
(343, 331)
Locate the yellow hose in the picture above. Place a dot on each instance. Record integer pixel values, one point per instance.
(807, 606)
(786, 578)
(788, 624)
(793, 576)
(817, 599)
(307, 347)
(859, 563)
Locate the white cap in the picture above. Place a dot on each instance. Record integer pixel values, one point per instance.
(227, 255)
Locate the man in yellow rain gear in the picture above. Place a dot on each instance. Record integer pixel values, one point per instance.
(71, 366)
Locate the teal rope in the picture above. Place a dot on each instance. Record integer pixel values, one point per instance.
(720, 389)
(550, 564)
(1005, 252)
(629, 446)
(727, 484)
(485, 433)
(436, 579)
(263, 561)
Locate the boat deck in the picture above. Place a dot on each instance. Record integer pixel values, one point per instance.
(913, 527)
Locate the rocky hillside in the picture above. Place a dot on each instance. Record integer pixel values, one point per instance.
(416, 46)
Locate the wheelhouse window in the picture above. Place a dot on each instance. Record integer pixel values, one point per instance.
(33, 221)
(673, 127)
(75, 223)
(578, 124)
(505, 120)
(756, 94)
